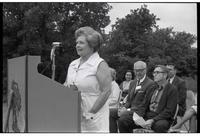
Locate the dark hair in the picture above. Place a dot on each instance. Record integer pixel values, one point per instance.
(93, 37)
(172, 64)
(129, 71)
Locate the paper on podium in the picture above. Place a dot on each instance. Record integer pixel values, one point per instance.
(138, 120)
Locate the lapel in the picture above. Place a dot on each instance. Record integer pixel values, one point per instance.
(133, 92)
(133, 88)
(144, 82)
(175, 81)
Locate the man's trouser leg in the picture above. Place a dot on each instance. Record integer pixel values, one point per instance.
(161, 126)
(125, 122)
(113, 120)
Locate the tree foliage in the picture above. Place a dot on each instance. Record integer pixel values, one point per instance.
(30, 28)
(137, 37)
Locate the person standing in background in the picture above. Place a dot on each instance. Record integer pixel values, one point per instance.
(115, 91)
(90, 74)
(180, 86)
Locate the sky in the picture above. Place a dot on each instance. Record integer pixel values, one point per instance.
(180, 16)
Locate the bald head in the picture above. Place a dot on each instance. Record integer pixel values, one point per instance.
(140, 65)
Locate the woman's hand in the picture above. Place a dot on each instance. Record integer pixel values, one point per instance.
(88, 115)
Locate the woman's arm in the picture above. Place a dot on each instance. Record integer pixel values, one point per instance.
(104, 79)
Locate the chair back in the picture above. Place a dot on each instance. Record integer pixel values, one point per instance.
(175, 115)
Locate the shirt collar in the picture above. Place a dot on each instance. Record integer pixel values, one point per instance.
(171, 79)
(91, 60)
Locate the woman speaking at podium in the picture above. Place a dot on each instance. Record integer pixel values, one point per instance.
(90, 74)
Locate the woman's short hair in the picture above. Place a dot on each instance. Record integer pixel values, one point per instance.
(93, 37)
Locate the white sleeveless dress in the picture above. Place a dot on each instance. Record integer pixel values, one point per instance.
(84, 77)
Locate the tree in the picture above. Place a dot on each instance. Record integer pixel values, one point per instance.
(37, 25)
(137, 37)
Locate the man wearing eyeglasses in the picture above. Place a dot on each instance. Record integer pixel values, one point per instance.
(180, 86)
(136, 94)
(159, 105)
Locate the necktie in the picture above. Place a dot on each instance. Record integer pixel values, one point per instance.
(168, 80)
(155, 99)
(137, 84)
(155, 94)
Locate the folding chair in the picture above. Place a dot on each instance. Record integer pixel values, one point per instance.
(190, 100)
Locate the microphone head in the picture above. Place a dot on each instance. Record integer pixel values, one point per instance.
(56, 44)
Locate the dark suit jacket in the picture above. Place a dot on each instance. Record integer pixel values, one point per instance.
(135, 98)
(166, 107)
(182, 92)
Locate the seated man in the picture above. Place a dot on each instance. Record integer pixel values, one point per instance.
(158, 107)
(137, 90)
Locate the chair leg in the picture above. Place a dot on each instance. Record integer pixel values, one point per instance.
(192, 125)
(188, 129)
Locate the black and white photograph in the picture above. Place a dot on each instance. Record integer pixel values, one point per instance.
(99, 67)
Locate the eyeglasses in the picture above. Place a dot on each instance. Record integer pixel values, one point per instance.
(158, 72)
(170, 69)
(139, 70)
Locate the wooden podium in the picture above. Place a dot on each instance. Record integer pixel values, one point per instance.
(36, 102)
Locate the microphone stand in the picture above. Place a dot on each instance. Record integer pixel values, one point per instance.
(55, 44)
(53, 65)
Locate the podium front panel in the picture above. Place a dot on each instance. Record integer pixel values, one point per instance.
(52, 107)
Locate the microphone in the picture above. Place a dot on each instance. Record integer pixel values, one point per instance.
(56, 44)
